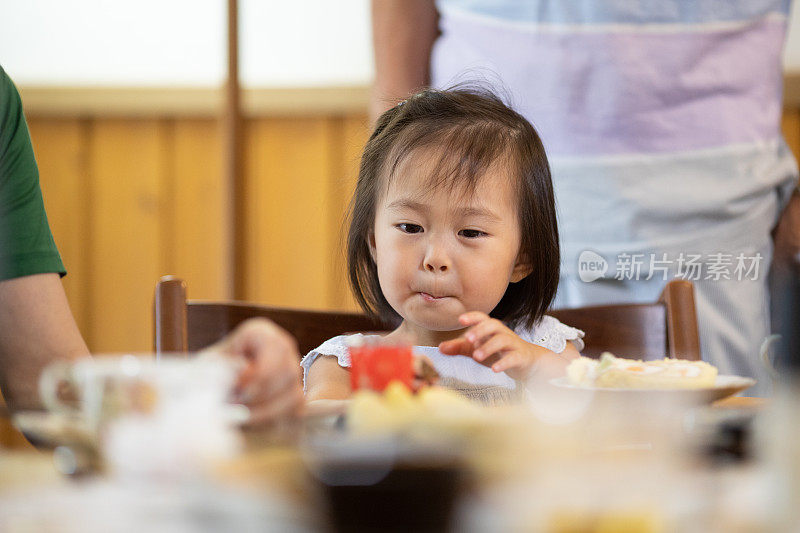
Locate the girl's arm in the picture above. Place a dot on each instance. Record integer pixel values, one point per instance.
(403, 32)
(327, 387)
(491, 343)
(554, 365)
(326, 380)
(570, 352)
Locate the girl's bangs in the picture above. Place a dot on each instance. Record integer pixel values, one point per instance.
(459, 158)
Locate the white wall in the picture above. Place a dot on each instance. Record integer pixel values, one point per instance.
(305, 42)
(109, 42)
(182, 42)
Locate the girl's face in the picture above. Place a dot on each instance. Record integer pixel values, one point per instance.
(441, 252)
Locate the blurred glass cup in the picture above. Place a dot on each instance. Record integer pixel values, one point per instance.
(767, 355)
(375, 362)
(147, 414)
(108, 386)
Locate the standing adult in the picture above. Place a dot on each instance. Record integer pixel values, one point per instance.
(36, 324)
(662, 124)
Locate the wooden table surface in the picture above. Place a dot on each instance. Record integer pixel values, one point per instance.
(741, 402)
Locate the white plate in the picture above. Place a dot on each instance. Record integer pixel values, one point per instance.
(725, 385)
(52, 429)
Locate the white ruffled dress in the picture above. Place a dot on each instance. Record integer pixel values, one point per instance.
(464, 374)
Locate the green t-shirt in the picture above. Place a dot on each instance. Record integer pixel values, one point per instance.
(26, 244)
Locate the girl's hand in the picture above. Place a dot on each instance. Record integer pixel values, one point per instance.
(491, 343)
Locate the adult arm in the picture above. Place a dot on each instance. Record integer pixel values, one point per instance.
(403, 33)
(36, 327)
(787, 232)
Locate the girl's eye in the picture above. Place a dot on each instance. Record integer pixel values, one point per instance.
(409, 228)
(472, 233)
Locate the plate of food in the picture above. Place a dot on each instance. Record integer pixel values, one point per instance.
(611, 374)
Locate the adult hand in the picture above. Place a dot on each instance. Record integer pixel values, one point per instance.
(787, 232)
(269, 383)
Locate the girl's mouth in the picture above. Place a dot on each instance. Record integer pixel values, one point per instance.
(431, 298)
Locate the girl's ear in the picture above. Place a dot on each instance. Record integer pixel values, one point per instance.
(371, 244)
(521, 269)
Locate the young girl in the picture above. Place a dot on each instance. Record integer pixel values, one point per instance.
(453, 239)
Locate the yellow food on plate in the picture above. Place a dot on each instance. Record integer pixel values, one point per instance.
(618, 373)
(398, 410)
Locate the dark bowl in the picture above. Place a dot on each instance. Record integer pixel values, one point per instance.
(365, 496)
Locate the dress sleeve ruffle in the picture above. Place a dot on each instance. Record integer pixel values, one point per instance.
(335, 347)
(550, 333)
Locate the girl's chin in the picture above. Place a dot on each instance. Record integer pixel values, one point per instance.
(436, 325)
(441, 320)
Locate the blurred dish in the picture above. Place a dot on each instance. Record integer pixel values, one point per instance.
(53, 429)
(624, 373)
(724, 386)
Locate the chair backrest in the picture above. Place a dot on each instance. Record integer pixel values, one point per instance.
(183, 325)
(655, 330)
(666, 327)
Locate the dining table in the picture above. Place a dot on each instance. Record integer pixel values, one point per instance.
(741, 402)
(274, 481)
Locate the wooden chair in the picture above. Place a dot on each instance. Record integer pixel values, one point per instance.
(183, 325)
(666, 327)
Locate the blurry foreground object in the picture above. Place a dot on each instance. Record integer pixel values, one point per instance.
(786, 319)
(375, 363)
(166, 444)
(559, 462)
(102, 506)
(144, 417)
(666, 373)
(585, 460)
(778, 432)
(399, 463)
(689, 382)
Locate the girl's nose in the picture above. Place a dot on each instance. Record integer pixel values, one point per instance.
(434, 267)
(436, 259)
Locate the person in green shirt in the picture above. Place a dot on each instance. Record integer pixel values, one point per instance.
(36, 324)
(26, 244)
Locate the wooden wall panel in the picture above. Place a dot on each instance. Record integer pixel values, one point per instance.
(350, 136)
(61, 154)
(286, 211)
(127, 163)
(131, 199)
(791, 130)
(11, 437)
(198, 211)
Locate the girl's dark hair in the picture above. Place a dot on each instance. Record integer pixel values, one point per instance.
(474, 131)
